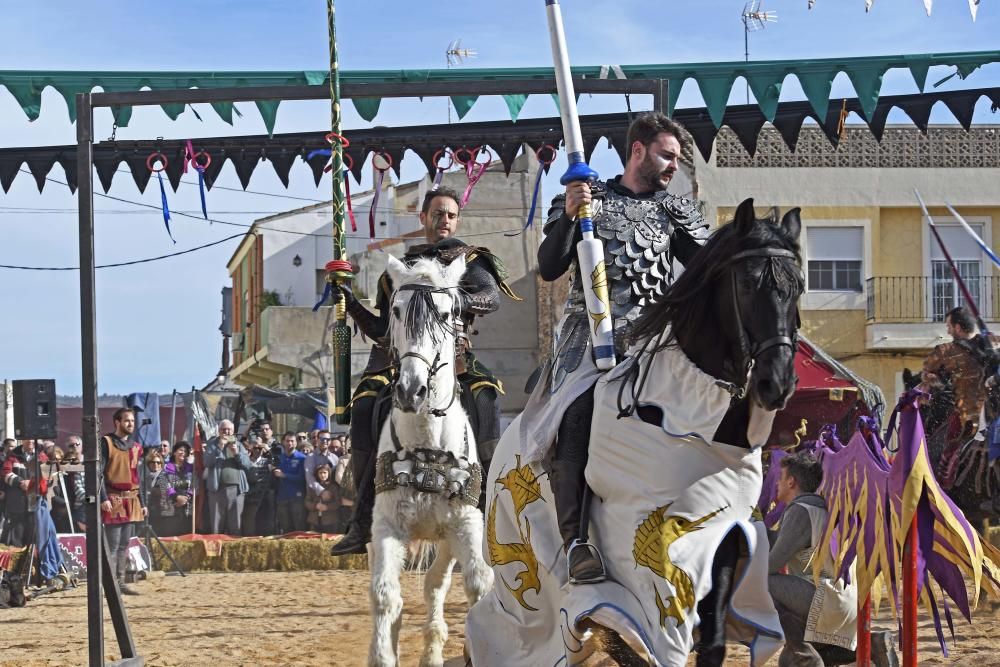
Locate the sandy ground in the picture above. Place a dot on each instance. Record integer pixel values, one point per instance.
(299, 618)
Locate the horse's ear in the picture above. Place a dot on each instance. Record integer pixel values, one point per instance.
(792, 223)
(745, 217)
(453, 272)
(396, 270)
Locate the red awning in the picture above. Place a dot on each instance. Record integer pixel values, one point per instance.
(822, 396)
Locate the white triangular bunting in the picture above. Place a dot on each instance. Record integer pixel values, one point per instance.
(973, 8)
(868, 5)
(927, 6)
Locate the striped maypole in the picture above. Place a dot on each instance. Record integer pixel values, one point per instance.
(339, 269)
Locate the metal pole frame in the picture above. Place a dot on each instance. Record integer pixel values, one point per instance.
(85, 105)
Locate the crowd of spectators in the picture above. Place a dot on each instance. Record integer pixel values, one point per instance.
(248, 484)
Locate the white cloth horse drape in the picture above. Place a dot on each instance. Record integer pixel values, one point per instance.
(665, 497)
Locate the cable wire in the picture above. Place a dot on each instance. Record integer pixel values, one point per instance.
(129, 263)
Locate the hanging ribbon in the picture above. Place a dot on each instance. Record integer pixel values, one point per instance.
(471, 171)
(542, 164)
(348, 165)
(200, 168)
(327, 291)
(378, 176)
(162, 159)
(438, 169)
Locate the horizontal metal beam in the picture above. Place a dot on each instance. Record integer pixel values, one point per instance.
(358, 90)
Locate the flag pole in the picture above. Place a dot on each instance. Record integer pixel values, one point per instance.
(954, 269)
(339, 270)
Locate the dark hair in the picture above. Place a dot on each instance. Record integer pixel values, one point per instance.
(440, 192)
(289, 433)
(805, 469)
(961, 317)
(178, 445)
(120, 414)
(687, 300)
(647, 126)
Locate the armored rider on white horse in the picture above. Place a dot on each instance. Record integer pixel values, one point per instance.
(481, 285)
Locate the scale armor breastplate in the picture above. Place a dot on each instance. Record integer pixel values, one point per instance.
(639, 262)
(637, 251)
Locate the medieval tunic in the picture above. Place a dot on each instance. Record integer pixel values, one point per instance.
(831, 612)
(121, 481)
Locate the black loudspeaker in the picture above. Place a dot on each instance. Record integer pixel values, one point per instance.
(35, 409)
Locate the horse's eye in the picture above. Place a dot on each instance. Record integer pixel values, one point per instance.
(395, 311)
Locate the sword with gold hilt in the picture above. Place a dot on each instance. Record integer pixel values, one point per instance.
(339, 270)
(589, 251)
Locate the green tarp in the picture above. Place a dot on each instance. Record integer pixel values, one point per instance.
(715, 81)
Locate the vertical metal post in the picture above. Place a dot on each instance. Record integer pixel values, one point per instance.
(88, 342)
(173, 420)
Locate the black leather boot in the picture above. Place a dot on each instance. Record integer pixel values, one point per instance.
(585, 564)
(359, 531)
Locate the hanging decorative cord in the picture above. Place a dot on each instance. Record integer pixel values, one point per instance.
(154, 157)
(378, 176)
(474, 169)
(348, 165)
(543, 164)
(200, 161)
(438, 169)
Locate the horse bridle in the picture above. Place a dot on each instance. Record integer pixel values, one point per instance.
(435, 365)
(750, 352)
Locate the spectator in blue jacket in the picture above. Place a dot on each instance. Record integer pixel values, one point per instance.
(291, 499)
(226, 465)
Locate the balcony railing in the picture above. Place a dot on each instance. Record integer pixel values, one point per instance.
(914, 299)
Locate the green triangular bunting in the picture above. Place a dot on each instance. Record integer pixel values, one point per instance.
(367, 107)
(766, 89)
(867, 83)
(514, 104)
(715, 89)
(269, 112)
(816, 85)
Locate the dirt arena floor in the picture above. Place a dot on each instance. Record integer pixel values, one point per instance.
(300, 618)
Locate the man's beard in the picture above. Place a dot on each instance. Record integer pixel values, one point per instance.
(652, 176)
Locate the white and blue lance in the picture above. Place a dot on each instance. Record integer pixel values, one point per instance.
(589, 251)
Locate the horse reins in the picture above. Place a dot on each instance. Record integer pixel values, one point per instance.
(435, 365)
(749, 351)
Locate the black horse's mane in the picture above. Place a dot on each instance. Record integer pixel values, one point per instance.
(688, 301)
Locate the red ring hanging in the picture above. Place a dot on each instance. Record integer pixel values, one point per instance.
(153, 157)
(489, 156)
(198, 165)
(344, 142)
(467, 151)
(443, 152)
(552, 151)
(385, 156)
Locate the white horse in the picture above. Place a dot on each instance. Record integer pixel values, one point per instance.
(428, 477)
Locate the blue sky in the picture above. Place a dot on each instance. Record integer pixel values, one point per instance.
(158, 323)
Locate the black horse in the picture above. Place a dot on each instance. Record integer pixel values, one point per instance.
(734, 313)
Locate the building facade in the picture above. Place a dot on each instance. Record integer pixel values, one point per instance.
(878, 286)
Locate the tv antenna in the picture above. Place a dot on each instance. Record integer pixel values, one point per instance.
(455, 55)
(754, 19)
